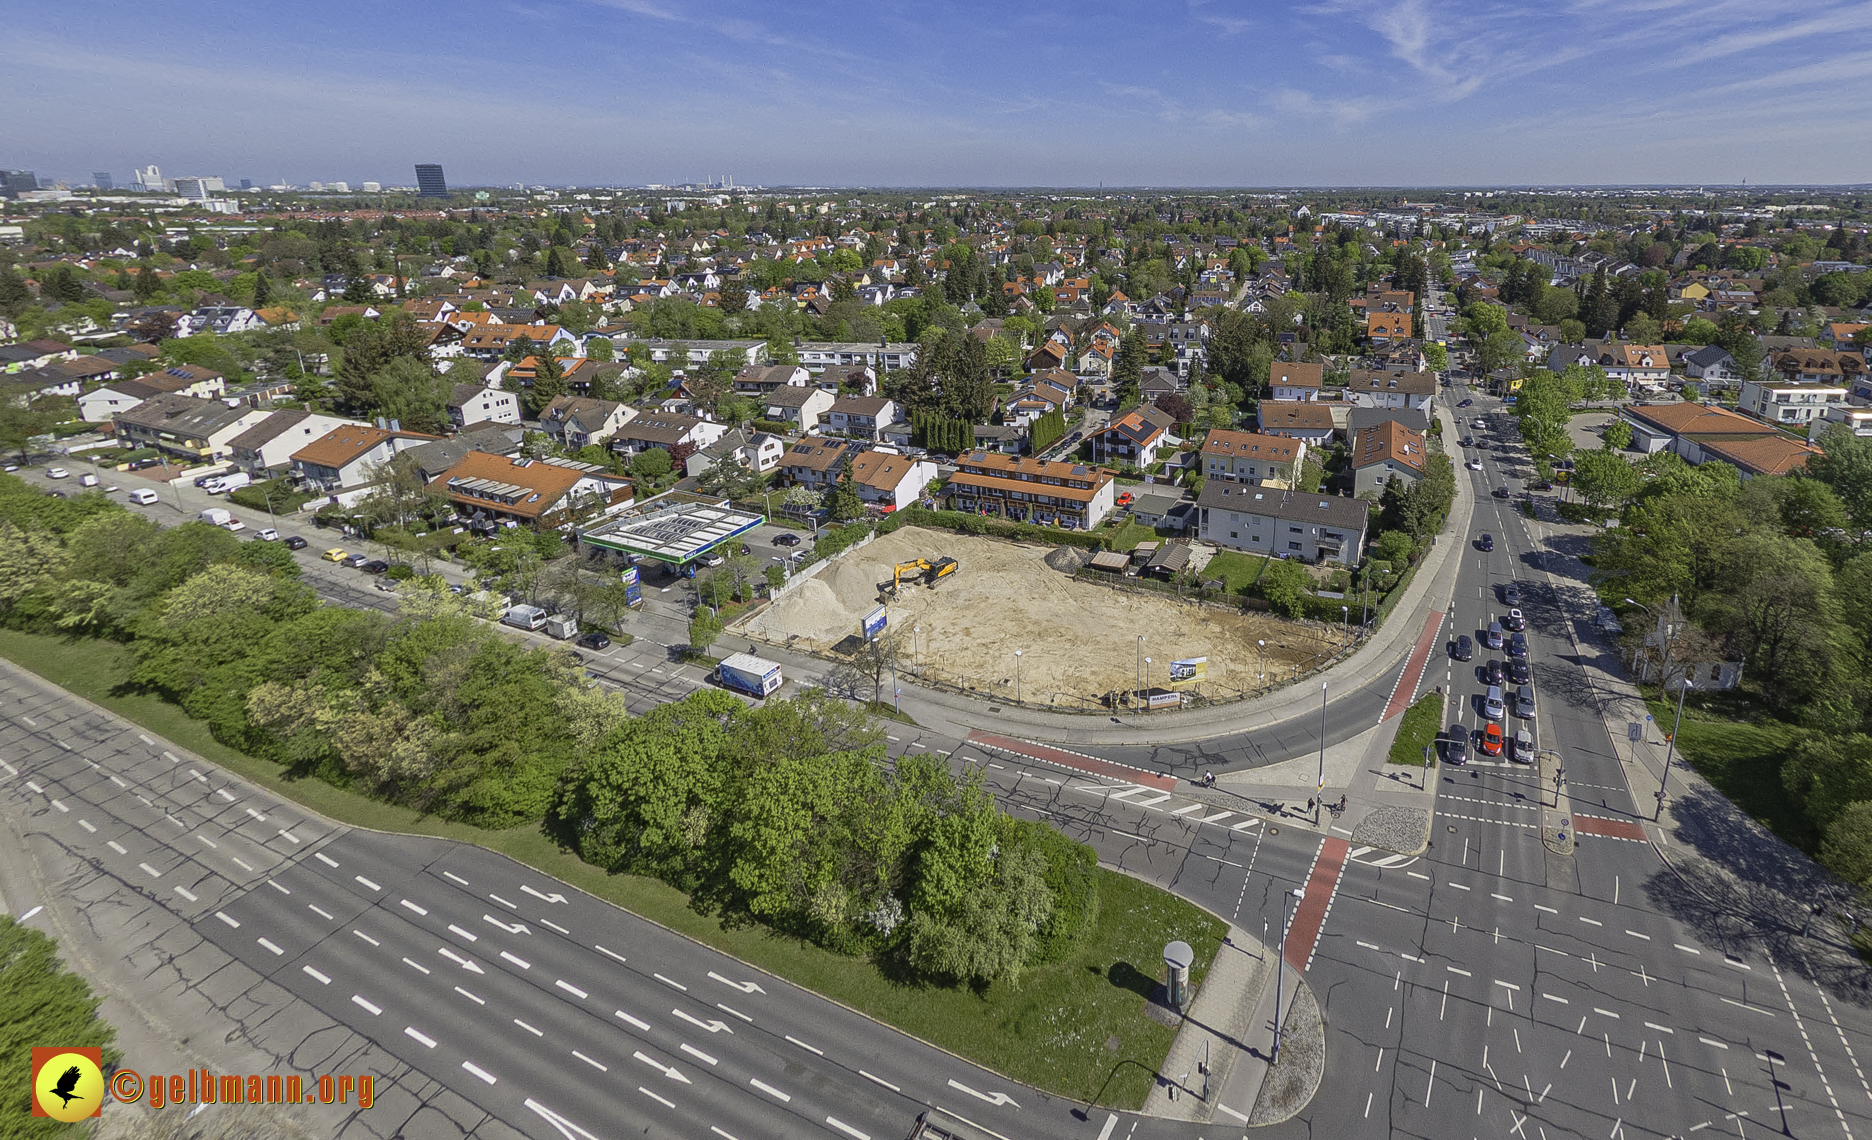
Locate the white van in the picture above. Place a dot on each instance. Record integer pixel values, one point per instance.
(525, 617)
(143, 497)
(228, 483)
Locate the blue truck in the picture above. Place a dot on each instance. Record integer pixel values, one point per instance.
(749, 674)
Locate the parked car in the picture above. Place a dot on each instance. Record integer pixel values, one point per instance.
(1541, 485)
(1515, 621)
(143, 497)
(1486, 542)
(267, 534)
(1462, 649)
(1492, 740)
(787, 539)
(1456, 746)
(57, 473)
(594, 640)
(335, 554)
(374, 566)
(144, 464)
(294, 542)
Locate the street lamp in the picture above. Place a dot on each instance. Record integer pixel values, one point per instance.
(1261, 658)
(914, 631)
(1280, 979)
(1017, 679)
(1137, 669)
(1345, 624)
(1670, 748)
(1147, 663)
(1319, 793)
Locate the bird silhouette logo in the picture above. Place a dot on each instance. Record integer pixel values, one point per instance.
(68, 1084)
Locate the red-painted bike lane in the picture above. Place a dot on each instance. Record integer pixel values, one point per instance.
(1304, 930)
(1413, 669)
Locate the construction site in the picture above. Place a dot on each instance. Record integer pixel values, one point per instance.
(1078, 641)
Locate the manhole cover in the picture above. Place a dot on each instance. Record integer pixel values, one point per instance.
(1448, 828)
(1113, 1044)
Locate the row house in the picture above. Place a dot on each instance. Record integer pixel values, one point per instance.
(1283, 524)
(1051, 493)
(342, 463)
(817, 356)
(185, 427)
(543, 493)
(1251, 457)
(677, 434)
(762, 380)
(491, 342)
(1820, 366)
(1292, 382)
(1384, 452)
(1135, 437)
(1378, 389)
(575, 421)
(266, 448)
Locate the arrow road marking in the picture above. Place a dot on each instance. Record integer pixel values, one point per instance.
(998, 1098)
(461, 961)
(713, 1025)
(670, 1071)
(744, 987)
(564, 1127)
(516, 928)
(552, 898)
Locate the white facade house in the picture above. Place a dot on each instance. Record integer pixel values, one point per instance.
(1780, 402)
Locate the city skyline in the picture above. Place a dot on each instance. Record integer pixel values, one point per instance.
(1343, 92)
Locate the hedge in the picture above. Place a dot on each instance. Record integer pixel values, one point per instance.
(967, 523)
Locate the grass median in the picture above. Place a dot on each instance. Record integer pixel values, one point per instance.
(1077, 1028)
(1418, 731)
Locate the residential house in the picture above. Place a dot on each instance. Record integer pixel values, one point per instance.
(1158, 381)
(100, 404)
(1295, 383)
(861, 417)
(1135, 437)
(188, 380)
(544, 493)
(431, 459)
(575, 421)
(266, 448)
(1283, 524)
(1367, 389)
(1311, 421)
(758, 451)
(852, 379)
(817, 356)
(1647, 364)
(801, 406)
(1783, 402)
(482, 403)
(1820, 366)
(763, 380)
(815, 463)
(1251, 457)
(889, 479)
(342, 462)
(331, 313)
(1054, 493)
(1701, 433)
(1096, 360)
(1049, 356)
(491, 342)
(1007, 439)
(675, 433)
(1712, 363)
(1385, 452)
(186, 427)
(1387, 327)
(34, 354)
(220, 320)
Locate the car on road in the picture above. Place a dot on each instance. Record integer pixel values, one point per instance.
(294, 542)
(787, 539)
(1493, 673)
(593, 640)
(1475, 465)
(1492, 739)
(143, 496)
(1464, 403)
(1478, 422)
(1494, 703)
(1541, 485)
(1511, 594)
(1515, 621)
(1524, 702)
(335, 554)
(1486, 542)
(1518, 646)
(1501, 492)
(57, 473)
(374, 566)
(1462, 649)
(267, 534)
(1456, 746)
(1523, 747)
(1468, 441)
(1519, 671)
(1492, 636)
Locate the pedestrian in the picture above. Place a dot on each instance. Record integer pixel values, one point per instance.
(1342, 801)
(1309, 803)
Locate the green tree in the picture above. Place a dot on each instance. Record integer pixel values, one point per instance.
(704, 627)
(1284, 584)
(410, 391)
(652, 463)
(1128, 369)
(370, 349)
(1436, 356)
(1617, 435)
(549, 383)
(40, 1002)
(1604, 480)
(842, 500)
(1847, 848)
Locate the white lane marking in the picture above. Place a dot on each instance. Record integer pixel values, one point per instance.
(514, 928)
(37, 790)
(1635, 934)
(744, 987)
(415, 965)
(412, 1031)
(1244, 825)
(609, 954)
(1561, 1000)
(503, 902)
(520, 962)
(1186, 810)
(457, 878)
(1737, 963)
(1507, 985)
(367, 938)
(197, 774)
(325, 859)
(715, 1025)
(151, 871)
(223, 793)
(1548, 909)
(847, 1129)
(256, 815)
(289, 837)
(771, 1091)
(697, 1054)
(1604, 1012)
(86, 824)
(660, 1100)
(211, 843)
(117, 847)
(670, 982)
(321, 912)
(1458, 886)
(67, 810)
(464, 963)
(1244, 1119)
(1591, 921)
(1660, 1028)
(469, 996)
(463, 933)
(554, 925)
(735, 1012)
(412, 906)
(1686, 949)
(242, 863)
(275, 885)
(1713, 1041)
(1221, 815)
(994, 1098)
(1745, 1005)
(374, 1010)
(879, 1080)
(269, 944)
(570, 988)
(638, 1022)
(114, 779)
(482, 1073)
(1157, 799)
(528, 1028)
(186, 893)
(599, 1065)
(321, 979)
(809, 1048)
(367, 882)
(1503, 898)
(1369, 946)
(670, 1071)
(1459, 970)
(222, 915)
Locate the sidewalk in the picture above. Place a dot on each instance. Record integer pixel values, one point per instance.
(1429, 591)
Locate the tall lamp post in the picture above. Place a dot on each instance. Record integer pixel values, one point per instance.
(1147, 664)
(1017, 679)
(1261, 658)
(915, 659)
(1319, 792)
(1137, 669)
(1280, 978)
(1345, 624)
(1670, 749)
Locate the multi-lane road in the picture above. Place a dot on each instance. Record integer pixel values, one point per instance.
(1489, 987)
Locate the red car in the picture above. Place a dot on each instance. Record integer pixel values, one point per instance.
(1492, 740)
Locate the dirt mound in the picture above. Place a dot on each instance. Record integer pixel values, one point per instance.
(1068, 559)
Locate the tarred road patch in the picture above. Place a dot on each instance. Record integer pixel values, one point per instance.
(1413, 669)
(1303, 932)
(1091, 765)
(1611, 828)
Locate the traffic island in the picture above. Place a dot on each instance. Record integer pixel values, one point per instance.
(1295, 1075)
(1557, 830)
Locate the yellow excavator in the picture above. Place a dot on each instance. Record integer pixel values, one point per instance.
(931, 572)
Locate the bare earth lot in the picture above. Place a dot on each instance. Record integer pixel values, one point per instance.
(1077, 640)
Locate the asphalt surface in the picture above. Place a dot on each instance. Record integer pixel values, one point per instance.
(1489, 987)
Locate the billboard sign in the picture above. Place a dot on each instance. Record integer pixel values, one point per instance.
(873, 623)
(1157, 699)
(1189, 671)
(633, 587)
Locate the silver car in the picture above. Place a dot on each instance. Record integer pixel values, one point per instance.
(1524, 702)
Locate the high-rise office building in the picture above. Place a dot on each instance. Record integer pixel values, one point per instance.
(429, 180)
(102, 180)
(150, 178)
(371, 187)
(15, 182)
(246, 184)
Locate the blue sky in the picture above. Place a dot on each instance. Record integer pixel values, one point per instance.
(1175, 93)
